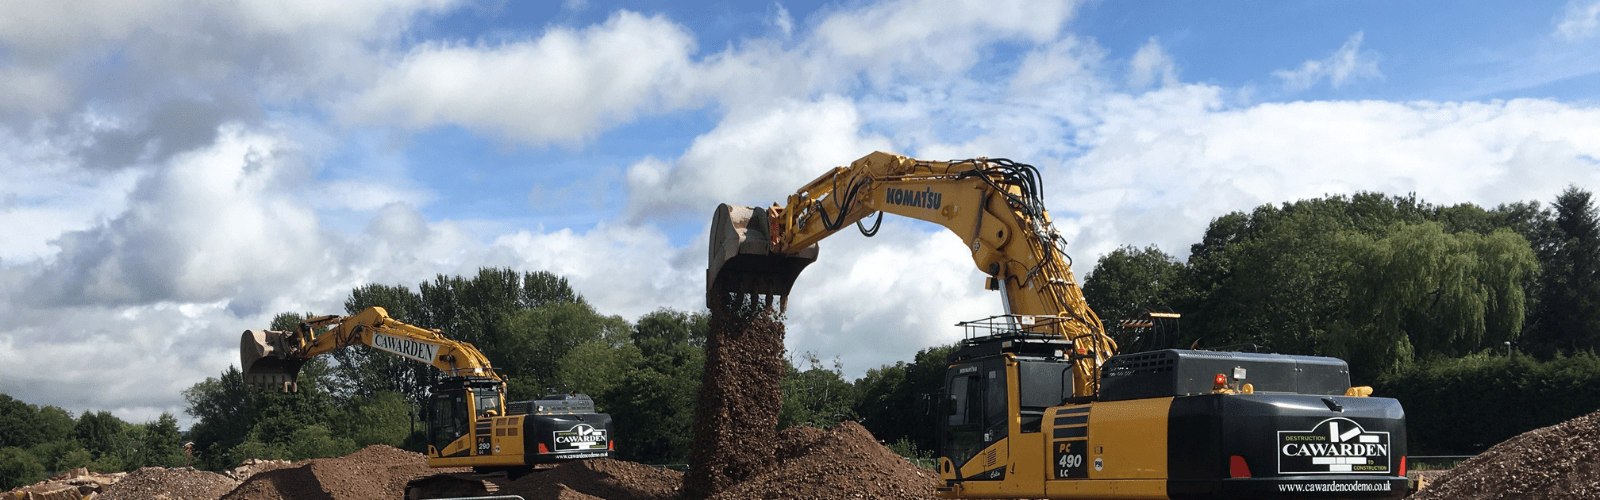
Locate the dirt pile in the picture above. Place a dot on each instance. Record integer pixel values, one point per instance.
(843, 463)
(160, 483)
(376, 472)
(601, 478)
(736, 415)
(1557, 462)
(253, 466)
(70, 485)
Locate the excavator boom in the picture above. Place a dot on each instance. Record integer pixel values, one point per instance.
(994, 205)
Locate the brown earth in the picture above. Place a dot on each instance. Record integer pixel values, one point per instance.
(736, 414)
(1561, 461)
(377, 472)
(601, 478)
(160, 483)
(842, 463)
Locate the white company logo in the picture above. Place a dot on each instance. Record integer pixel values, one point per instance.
(580, 437)
(410, 349)
(1335, 445)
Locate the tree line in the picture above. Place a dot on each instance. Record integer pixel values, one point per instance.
(35, 440)
(1428, 303)
(1415, 297)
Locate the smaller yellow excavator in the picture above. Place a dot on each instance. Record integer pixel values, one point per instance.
(469, 422)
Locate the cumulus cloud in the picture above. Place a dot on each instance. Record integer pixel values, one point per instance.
(164, 225)
(1152, 65)
(753, 159)
(206, 227)
(892, 38)
(565, 86)
(1580, 21)
(1347, 65)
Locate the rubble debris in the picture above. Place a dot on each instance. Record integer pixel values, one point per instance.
(161, 483)
(736, 413)
(1557, 462)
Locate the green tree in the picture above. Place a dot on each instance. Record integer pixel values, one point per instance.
(105, 436)
(901, 402)
(651, 397)
(65, 454)
(817, 396)
(18, 468)
(228, 414)
(534, 341)
(1420, 289)
(383, 418)
(361, 371)
(1129, 281)
(23, 425)
(162, 445)
(1568, 311)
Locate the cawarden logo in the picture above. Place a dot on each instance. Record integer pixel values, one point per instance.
(580, 437)
(411, 349)
(1336, 445)
(926, 198)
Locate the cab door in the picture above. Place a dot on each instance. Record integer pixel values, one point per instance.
(975, 416)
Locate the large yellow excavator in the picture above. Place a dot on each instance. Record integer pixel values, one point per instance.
(1037, 402)
(469, 422)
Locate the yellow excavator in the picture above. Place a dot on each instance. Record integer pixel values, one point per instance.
(469, 422)
(1037, 402)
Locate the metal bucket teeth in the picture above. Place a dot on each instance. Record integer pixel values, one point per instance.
(741, 260)
(262, 364)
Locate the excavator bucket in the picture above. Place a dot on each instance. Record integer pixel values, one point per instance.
(742, 261)
(263, 367)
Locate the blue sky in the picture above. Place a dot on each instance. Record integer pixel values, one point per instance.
(175, 174)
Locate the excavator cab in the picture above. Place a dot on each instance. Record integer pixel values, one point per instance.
(996, 372)
(459, 405)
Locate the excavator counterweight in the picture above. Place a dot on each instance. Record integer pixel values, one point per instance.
(741, 257)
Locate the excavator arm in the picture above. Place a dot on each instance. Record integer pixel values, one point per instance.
(272, 359)
(994, 205)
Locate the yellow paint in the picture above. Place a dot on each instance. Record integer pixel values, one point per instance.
(507, 443)
(1129, 438)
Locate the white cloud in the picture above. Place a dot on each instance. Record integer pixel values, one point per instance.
(180, 221)
(756, 158)
(912, 37)
(1152, 65)
(564, 87)
(1346, 65)
(1581, 20)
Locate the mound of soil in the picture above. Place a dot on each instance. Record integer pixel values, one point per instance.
(377, 472)
(254, 466)
(600, 478)
(843, 463)
(160, 483)
(736, 414)
(1561, 461)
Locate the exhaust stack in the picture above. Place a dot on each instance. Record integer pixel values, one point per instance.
(741, 258)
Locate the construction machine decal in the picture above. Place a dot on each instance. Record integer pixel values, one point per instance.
(1069, 459)
(1333, 446)
(580, 437)
(422, 352)
(926, 198)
